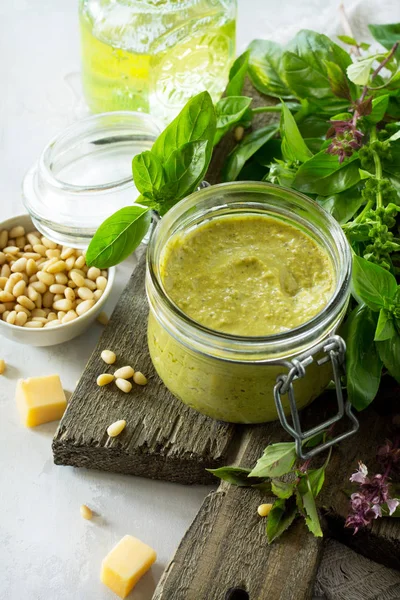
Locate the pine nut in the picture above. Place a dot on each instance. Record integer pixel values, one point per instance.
(48, 243)
(103, 318)
(61, 314)
(21, 319)
(19, 265)
(64, 305)
(39, 249)
(39, 301)
(124, 373)
(86, 513)
(58, 297)
(80, 261)
(39, 286)
(48, 299)
(139, 378)
(46, 278)
(84, 306)
(2, 258)
(53, 323)
(101, 282)
(98, 294)
(69, 294)
(5, 315)
(34, 324)
(19, 288)
(31, 267)
(33, 239)
(20, 241)
(70, 261)
(66, 253)
(53, 253)
(5, 271)
(70, 316)
(6, 296)
(90, 284)
(108, 356)
(2, 308)
(115, 428)
(11, 249)
(56, 267)
(51, 316)
(77, 278)
(264, 510)
(57, 288)
(16, 231)
(40, 319)
(3, 239)
(85, 293)
(25, 301)
(104, 379)
(11, 317)
(2, 364)
(61, 278)
(93, 273)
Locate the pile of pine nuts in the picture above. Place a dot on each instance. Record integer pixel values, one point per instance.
(121, 375)
(43, 284)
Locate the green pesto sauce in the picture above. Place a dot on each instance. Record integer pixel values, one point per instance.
(247, 275)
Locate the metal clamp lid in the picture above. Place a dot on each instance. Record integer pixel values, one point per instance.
(335, 349)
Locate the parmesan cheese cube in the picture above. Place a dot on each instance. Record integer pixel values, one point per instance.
(125, 564)
(40, 400)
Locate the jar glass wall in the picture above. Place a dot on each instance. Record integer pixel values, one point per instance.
(153, 55)
(232, 377)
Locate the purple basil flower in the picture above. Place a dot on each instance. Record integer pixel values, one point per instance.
(345, 139)
(360, 475)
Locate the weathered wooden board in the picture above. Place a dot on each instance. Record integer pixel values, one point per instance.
(226, 549)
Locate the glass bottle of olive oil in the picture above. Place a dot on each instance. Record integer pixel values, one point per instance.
(153, 55)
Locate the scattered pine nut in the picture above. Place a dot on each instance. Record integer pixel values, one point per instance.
(104, 379)
(124, 372)
(108, 356)
(86, 512)
(139, 378)
(115, 428)
(123, 384)
(103, 318)
(264, 510)
(2, 364)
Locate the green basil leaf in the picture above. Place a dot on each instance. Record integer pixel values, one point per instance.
(359, 72)
(306, 504)
(364, 174)
(313, 126)
(379, 108)
(282, 489)
(304, 64)
(385, 328)
(372, 284)
(185, 168)
(236, 476)
(281, 516)
(281, 173)
(316, 478)
(293, 145)
(268, 153)
(277, 460)
(195, 122)
(118, 236)
(229, 111)
(245, 150)
(363, 364)
(394, 137)
(148, 173)
(338, 81)
(344, 205)
(387, 35)
(237, 75)
(265, 68)
(324, 175)
(389, 352)
(346, 39)
(314, 144)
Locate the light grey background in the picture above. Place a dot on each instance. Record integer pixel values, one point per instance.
(47, 551)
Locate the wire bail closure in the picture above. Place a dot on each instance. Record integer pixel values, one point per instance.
(334, 349)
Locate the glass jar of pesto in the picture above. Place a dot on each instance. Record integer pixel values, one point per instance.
(243, 278)
(153, 55)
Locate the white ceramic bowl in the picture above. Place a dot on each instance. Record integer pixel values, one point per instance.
(58, 334)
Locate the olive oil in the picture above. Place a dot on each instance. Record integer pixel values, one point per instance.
(153, 55)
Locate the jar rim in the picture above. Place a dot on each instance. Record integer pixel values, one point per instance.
(124, 117)
(171, 314)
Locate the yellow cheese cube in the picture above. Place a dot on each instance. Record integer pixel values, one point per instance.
(40, 400)
(125, 564)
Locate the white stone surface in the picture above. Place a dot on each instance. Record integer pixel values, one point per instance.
(47, 551)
